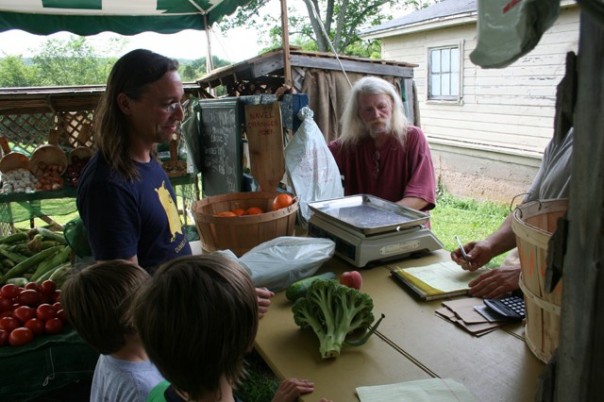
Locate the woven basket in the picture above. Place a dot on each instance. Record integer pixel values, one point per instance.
(241, 233)
(533, 224)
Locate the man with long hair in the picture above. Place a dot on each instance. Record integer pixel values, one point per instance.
(379, 153)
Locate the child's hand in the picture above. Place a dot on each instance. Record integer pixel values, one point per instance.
(291, 389)
(264, 300)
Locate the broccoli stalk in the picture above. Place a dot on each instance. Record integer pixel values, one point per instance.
(334, 312)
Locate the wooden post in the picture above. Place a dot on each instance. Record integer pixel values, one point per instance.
(287, 68)
(579, 375)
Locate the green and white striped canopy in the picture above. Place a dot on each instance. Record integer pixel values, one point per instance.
(125, 17)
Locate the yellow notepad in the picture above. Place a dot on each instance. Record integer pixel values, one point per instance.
(436, 281)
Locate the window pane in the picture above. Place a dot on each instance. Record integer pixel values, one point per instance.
(446, 84)
(435, 85)
(435, 61)
(455, 84)
(455, 60)
(446, 60)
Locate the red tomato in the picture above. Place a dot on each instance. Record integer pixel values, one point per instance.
(45, 312)
(20, 336)
(48, 287)
(9, 291)
(24, 313)
(61, 315)
(6, 304)
(7, 313)
(9, 323)
(57, 306)
(53, 326)
(29, 297)
(36, 326)
(32, 285)
(3, 337)
(56, 297)
(352, 279)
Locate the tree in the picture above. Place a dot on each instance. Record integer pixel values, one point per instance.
(71, 62)
(14, 72)
(321, 23)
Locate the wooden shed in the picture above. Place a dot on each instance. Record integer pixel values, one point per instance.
(324, 77)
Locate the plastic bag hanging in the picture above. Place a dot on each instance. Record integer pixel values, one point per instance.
(311, 168)
(509, 29)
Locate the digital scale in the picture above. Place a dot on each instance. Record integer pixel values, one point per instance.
(368, 230)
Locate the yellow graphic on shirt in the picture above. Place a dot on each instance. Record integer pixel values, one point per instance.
(167, 202)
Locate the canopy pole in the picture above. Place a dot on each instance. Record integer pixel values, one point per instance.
(209, 64)
(287, 68)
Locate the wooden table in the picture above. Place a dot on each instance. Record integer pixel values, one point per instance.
(412, 343)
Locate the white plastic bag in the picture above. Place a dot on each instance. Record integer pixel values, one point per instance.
(508, 29)
(278, 263)
(311, 168)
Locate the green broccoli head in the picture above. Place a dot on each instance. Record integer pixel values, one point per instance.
(334, 312)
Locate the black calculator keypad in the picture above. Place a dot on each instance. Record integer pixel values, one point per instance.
(510, 307)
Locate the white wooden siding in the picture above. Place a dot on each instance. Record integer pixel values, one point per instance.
(510, 108)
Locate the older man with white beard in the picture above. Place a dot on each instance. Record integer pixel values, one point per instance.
(379, 152)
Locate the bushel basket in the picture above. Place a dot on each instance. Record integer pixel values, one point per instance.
(241, 233)
(533, 224)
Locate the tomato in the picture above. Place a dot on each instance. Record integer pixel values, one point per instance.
(24, 313)
(3, 337)
(45, 312)
(48, 287)
(32, 285)
(61, 315)
(282, 201)
(6, 304)
(238, 211)
(36, 325)
(57, 306)
(226, 214)
(7, 313)
(10, 291)
(9, 323)
(254, 211)
(352, 279)
(20, 336)
(53, 326)
(56, 297)
(29, 297)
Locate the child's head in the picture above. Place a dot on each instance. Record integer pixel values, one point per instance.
(197, 318)
(97, 300)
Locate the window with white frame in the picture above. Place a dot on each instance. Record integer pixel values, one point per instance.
(443, 73)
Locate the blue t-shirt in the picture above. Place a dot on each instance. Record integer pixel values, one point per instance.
(125, 218)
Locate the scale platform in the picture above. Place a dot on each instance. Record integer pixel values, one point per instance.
(368, 230)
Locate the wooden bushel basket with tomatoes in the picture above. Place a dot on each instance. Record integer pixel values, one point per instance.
(240, 221)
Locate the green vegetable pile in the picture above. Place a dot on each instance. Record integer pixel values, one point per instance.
(33, 256)
(339, 316)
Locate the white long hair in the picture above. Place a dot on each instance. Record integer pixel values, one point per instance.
(353, 128)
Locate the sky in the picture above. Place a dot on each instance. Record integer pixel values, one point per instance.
(235, 46)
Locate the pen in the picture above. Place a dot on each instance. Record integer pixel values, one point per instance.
(463, 252)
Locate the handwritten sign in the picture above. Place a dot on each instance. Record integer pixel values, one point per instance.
(265, 136)
(221, 166)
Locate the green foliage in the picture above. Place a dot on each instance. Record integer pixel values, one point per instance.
(71, 62)
(14, 72)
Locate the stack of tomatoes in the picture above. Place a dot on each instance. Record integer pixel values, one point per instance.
(29, 311)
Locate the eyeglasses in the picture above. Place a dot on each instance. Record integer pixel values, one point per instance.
(173, 107)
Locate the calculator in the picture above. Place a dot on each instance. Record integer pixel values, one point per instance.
(511, 307)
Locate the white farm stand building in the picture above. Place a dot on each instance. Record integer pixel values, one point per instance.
(487, 128)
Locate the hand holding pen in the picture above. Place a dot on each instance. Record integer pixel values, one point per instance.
(465, 261)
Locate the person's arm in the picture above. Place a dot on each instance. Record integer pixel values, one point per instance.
(413, 202)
